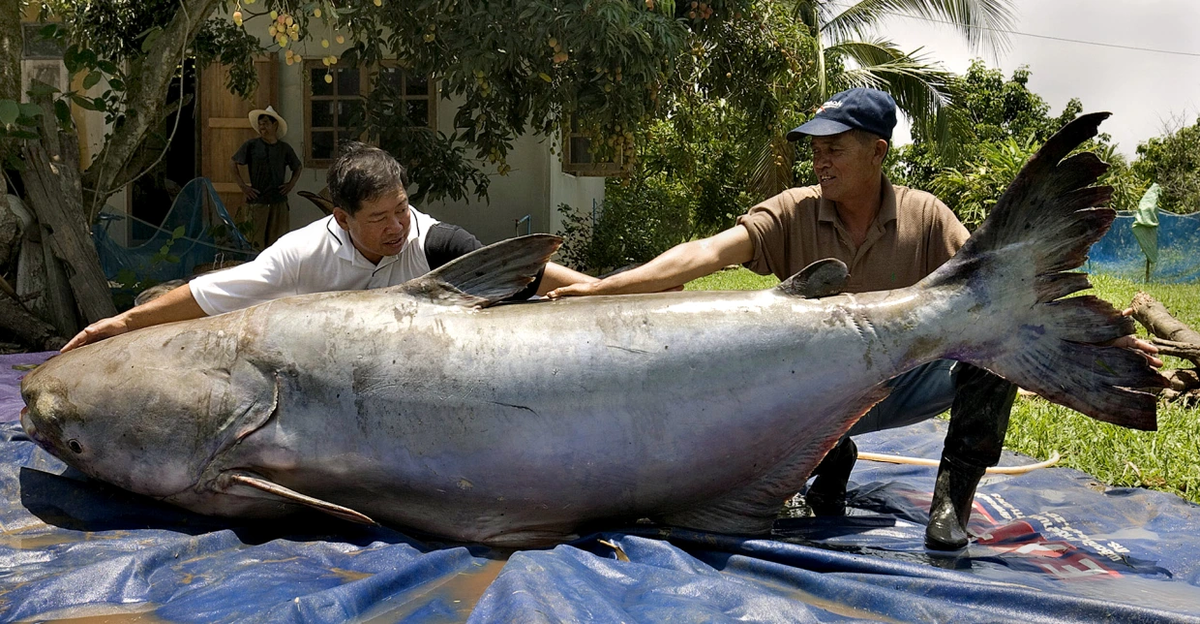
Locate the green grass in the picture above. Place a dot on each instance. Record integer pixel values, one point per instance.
(1167, 459)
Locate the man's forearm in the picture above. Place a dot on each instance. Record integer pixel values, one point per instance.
(557, 275)
(177, 305)
(684, 263)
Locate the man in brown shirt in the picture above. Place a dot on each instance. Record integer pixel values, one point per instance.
(889, 237)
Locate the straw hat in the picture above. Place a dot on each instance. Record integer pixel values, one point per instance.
(255, 114)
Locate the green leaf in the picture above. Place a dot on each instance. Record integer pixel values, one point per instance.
(107, 67)
(31, 111)
(174, 259)
(62, 111)
(71, 58)
(151, 36)
(83, 102)
(38, 89)
(178, 232)
(9, 111)
(165, 249)
(15, 163)
(92, 78)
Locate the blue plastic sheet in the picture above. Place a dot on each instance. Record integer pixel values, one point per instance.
(1054, 546)
(1178, 238)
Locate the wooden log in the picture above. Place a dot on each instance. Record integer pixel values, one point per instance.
(1182, 379)
(1186, 350)
(52, 182)
(1189, 398)
(28, 328)
(31, 275)
(1158, 321)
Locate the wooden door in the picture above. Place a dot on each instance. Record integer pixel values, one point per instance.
(224, 125)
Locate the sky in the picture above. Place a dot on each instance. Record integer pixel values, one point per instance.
(1146, 91)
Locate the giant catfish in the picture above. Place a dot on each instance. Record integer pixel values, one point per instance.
(424, 406)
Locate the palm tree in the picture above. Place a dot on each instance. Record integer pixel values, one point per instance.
(849, 52)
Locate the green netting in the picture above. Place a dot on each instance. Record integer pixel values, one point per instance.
(196, 232)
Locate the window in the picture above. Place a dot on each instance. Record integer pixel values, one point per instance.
(577, 157)
(334, 110)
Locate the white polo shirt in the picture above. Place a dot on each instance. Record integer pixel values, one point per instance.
(316, 258)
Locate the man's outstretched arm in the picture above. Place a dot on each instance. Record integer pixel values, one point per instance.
(176, 305)
(674, 267)
(557, 276)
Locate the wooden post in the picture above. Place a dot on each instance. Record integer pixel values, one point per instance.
(52, 181)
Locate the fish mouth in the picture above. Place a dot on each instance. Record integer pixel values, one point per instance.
(29, 427)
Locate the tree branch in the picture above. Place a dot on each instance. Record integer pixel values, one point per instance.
(145, 98)
(1158, 321)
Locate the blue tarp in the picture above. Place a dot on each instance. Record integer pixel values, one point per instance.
(1055, 546)
(197, 232)
(1118, 252)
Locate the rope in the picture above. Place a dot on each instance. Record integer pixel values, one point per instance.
(920, 461)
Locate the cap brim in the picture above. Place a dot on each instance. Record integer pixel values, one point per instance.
(818, 127)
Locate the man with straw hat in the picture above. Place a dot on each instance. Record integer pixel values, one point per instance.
(265, 158)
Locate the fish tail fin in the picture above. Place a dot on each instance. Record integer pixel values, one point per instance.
(1020, 260)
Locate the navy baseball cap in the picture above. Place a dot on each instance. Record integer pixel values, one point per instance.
(857, 109)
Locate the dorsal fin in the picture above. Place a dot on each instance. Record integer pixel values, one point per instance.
(488, 274)
(819, 279)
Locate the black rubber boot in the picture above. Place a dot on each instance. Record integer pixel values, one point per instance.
(978, 423)
(953, 496)
(827, 495)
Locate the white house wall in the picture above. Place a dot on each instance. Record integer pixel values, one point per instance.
(535, 186)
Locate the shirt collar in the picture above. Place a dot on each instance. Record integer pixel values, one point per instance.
(826, 211)
(348, 252)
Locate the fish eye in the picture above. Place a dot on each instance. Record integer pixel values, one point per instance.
(75, 446)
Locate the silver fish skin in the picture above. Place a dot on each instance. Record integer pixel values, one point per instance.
(426, 407)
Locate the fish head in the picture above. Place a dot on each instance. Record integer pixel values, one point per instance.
(149, 422)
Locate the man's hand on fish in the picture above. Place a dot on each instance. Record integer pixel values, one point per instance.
(104, 328)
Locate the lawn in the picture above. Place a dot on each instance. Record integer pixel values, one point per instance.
(1167, 459)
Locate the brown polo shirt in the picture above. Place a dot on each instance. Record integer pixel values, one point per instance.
(913, 234)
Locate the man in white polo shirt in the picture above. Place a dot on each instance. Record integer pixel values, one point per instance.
(373, 239)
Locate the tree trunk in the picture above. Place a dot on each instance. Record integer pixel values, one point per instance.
(52, 182)
(11, 43)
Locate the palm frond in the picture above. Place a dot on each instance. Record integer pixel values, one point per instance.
(924, 91)
(980, 22)
(770, 167)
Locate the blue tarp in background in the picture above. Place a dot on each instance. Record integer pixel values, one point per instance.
(207, 235)
(1055, 546)
(1118, 252)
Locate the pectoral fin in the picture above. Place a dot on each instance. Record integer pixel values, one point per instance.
(258, 483)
